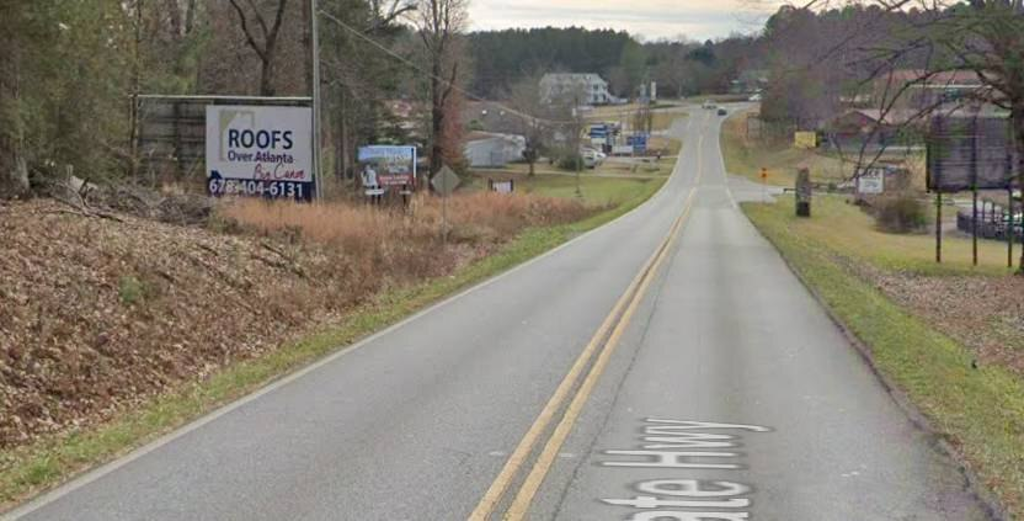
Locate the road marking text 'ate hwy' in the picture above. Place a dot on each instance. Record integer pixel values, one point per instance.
(686, 445)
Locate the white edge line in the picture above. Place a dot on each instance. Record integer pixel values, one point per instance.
(92, 475)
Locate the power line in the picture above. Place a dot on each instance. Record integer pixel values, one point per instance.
(363, 36)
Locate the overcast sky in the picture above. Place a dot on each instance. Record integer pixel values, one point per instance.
(651, 19)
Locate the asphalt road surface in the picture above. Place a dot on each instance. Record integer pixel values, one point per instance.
(665, 366)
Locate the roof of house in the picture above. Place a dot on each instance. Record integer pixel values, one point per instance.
(572, 77)
(892, 117)
(487, 136)
(958, 78)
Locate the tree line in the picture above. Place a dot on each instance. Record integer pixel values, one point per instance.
(681, 67)
(70, 70)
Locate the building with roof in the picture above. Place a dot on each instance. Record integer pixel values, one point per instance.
(583, 89)
(921, 89)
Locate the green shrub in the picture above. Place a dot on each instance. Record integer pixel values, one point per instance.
(131, 290)
(901, 213)
(571, 162)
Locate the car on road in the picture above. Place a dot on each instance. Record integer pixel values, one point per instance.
(723, 112)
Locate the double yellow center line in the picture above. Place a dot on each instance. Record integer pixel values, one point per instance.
(603, 343)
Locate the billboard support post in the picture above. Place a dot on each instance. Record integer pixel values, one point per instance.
(973, 167)
(974, 224)
(1010, 230)
(315, 57)
(938, 227)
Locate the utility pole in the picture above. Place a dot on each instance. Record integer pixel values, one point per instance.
(134, 115)
(314, 47)
(577, 127)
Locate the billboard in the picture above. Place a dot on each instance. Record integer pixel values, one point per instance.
(971, 152)
(259, 151)
(384, 166)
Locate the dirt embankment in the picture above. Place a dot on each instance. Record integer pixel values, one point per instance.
(98, 313)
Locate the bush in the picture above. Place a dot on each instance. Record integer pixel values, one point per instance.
(571, 162)
(130, 290)
(901, 213)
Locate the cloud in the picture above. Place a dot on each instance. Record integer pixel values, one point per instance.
(651, 19)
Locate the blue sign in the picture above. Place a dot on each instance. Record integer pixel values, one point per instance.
(638, 142)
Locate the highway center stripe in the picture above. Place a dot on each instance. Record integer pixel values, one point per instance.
(619, 318)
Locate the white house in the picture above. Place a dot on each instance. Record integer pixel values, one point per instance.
(591, 89)
(488, 150)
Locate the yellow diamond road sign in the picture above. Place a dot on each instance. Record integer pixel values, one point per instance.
(445, 182)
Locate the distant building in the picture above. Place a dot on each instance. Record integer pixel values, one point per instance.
(490, 150)
(589, 89)
(749, 81)
(923, 89)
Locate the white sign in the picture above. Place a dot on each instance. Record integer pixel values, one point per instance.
(503, 187)
(871, 181)
(259, 151)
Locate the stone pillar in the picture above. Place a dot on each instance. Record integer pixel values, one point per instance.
(803, 193)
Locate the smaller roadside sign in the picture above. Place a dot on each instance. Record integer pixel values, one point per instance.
(503, 187)
(622, 150)
(638, 142)
(805, 140)
(445, 182)
(871, 182)
(384, 165)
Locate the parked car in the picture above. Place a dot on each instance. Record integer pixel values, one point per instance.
(709, 105)
(754, 97)
(592, 158)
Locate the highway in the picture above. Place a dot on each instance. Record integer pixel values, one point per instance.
(662, 367)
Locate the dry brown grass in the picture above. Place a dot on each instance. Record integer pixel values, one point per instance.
(358, 228)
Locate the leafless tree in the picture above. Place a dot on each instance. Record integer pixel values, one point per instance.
(387, 12)
(439, 23)
(533, 118)
(264, 44)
